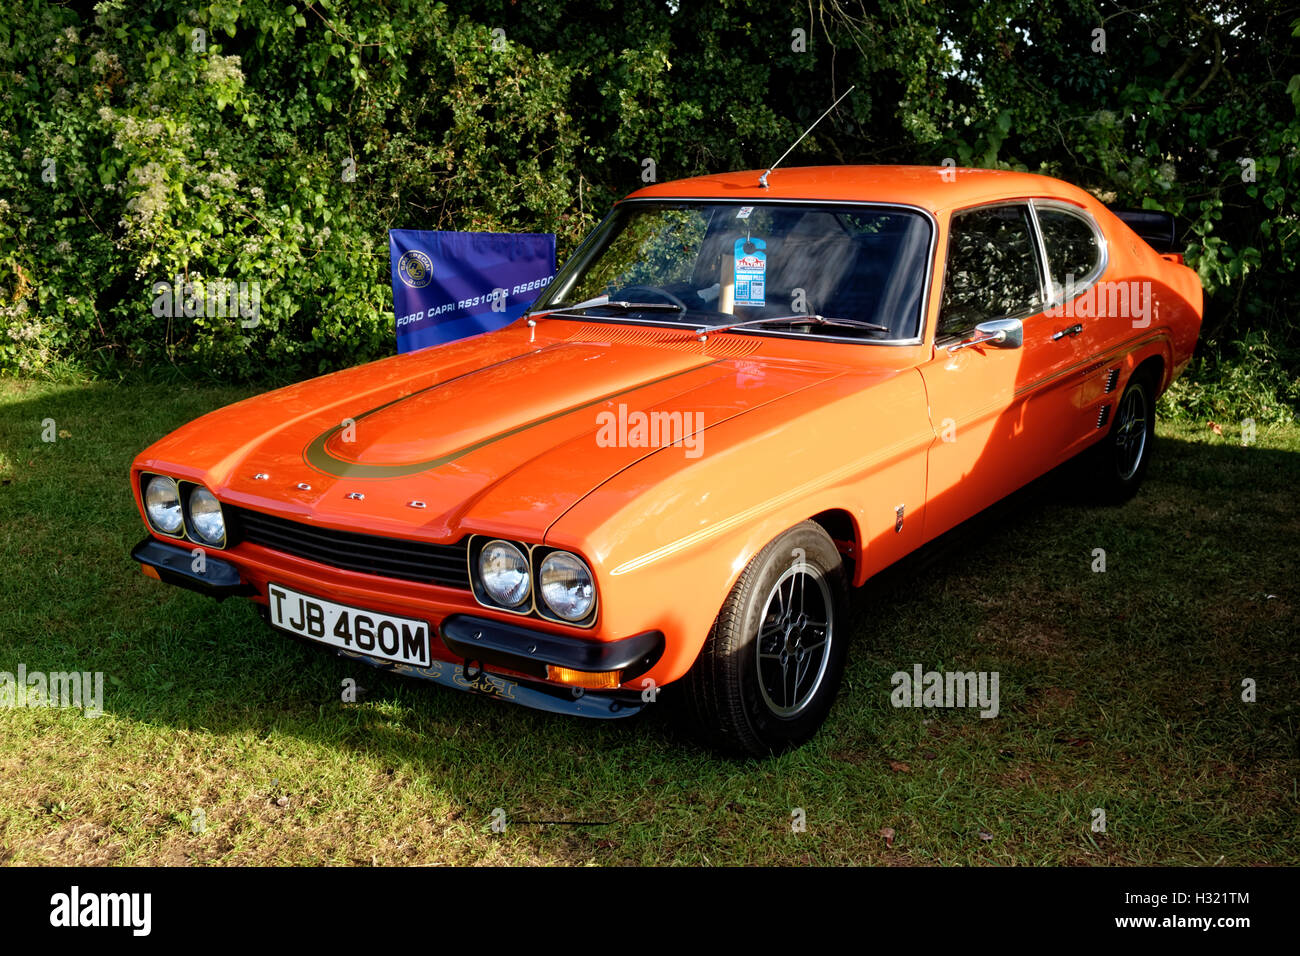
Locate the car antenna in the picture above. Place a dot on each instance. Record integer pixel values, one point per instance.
(762, 180)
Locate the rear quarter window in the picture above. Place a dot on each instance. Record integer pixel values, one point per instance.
(1073, 252)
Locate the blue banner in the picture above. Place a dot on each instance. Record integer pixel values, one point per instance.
(449, 285)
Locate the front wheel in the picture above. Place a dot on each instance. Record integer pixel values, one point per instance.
(772, 663)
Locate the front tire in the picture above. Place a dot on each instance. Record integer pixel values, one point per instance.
(771, 666)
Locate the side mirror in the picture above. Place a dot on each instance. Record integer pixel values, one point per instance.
(999, 333)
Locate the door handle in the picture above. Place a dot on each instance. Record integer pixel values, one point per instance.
(1072, 330)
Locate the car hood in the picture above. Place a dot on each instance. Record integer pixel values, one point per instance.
(498, 434)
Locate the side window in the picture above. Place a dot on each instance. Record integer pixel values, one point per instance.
(1073, 252)
(993, 269)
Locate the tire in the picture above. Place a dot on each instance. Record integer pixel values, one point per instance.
(744, 702)
(1117, 464)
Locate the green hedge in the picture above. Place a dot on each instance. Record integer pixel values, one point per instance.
(276, 143)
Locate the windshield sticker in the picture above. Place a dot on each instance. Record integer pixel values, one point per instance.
(751, 272)
(744, 212)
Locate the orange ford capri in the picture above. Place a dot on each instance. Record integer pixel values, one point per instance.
(734, 402)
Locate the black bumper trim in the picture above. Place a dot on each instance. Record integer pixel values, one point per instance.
(175, 565)
(571, 701)
(528, 651)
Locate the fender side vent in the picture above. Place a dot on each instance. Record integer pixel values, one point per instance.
(1112, 379)
(1103, 416)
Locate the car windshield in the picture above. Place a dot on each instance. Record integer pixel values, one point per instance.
(720, 264)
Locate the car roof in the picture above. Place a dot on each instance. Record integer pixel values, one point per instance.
(930, 187)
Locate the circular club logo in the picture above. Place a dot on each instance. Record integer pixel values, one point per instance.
(415, 269)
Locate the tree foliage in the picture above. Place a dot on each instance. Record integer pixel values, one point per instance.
(274, 142)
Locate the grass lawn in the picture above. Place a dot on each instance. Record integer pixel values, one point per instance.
(1120, 691)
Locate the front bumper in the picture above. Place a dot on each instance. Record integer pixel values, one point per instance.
(470, 677)
(530, 652)
(471, 642)
(173, 564)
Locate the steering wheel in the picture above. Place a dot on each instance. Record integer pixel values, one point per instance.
(626, 294)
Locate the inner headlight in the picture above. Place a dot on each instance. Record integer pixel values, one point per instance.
(566, 586)
(503, 572)
(162, 503)
(205, 516)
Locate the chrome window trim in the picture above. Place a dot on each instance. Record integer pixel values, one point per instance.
(923, 311)
(1044, 270)
(1103, 246)
(1034, 235)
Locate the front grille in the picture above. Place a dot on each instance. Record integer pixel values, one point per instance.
(443, 564)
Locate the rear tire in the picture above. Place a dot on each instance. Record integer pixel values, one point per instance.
(771, 666)
(1117, 464)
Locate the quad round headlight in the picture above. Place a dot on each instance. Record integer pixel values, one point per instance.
(566, 586)
(206, 520)
(503, 572)
(162, 503)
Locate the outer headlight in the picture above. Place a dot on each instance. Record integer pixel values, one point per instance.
(566, 586)
(162, 503)
(206, 519)
(503, 572)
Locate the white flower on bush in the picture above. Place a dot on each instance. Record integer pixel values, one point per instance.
(220, 69)
(225, 179)
(151, 201)
(101, 61)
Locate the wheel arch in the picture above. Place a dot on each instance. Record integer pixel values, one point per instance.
(1157, 369)
(843, 529)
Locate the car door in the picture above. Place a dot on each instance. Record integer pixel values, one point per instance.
(999, 414)
(1086, 310)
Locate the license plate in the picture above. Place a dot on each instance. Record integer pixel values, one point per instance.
(385, 636)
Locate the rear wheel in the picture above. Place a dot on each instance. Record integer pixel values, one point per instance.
(772, 663)
(1118, 463)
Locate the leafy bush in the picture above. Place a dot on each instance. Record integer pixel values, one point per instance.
(275, 143)
(1255, 383)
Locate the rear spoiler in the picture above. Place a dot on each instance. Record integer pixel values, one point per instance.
(1157, 228)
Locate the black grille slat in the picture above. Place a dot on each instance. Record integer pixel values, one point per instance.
(420, 561)
(323, 544)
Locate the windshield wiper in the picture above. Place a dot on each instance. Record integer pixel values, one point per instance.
(702, 334)
(604, 302)
(632, 306)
